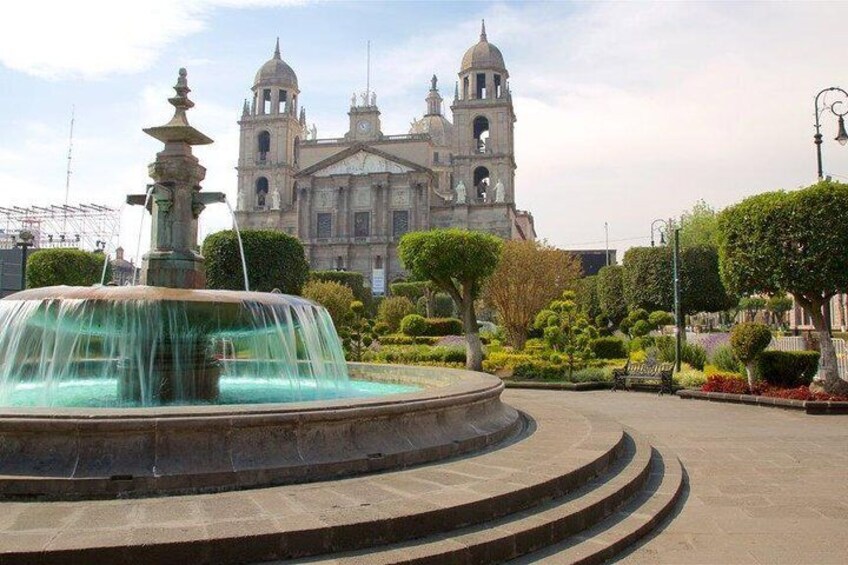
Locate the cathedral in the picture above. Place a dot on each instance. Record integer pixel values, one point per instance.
(350, 199)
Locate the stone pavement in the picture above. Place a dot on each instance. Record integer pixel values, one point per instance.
(765, 485)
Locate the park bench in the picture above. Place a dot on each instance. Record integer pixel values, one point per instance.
(649, 373)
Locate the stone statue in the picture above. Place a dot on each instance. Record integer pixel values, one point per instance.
(500, 192)
(461, 193)
(241, 202)
(364, 97)
(275, 199)
(353, 100)
(314, 132)
(373, 98)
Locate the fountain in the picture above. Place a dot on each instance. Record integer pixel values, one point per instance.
(167, 387)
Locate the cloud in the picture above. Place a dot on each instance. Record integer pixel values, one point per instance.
(95, 38)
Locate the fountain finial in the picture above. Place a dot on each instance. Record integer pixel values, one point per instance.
(178, 129)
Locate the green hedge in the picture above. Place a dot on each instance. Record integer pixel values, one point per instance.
(411, 290)
(608, 348)
(400, 339)
(274, 260)
(72, 267)
(788, 369)
(354, 281)
(412, 354)
(547, 371)
(416, 325)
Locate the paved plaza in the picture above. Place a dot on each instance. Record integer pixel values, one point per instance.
(765, 485)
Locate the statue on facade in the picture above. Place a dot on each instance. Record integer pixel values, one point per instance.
(461, 194)
(353, 100)
(314, 132)
(275, 199)
(241, 201)
(500, 192)
(373, 98)
(364, 97)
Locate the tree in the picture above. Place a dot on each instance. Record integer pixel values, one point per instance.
(529, 275)
(566, 330)
(333, 296)
(64, 266)
(393, 309)
(699, 226)
(355, 281)
(611, 299)
(748, 341)
(274, 260)
(778, 306)
(701, 287)
(648, 280)
(587, 297)
(752, 305)
(457, 262)
(791, 242)
(358, 331)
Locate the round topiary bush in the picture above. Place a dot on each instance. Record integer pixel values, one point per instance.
(335, 297)
(748, 341)
(274, 260)
(414, 325)
(608, 348)
(394, 309)
(72, 267)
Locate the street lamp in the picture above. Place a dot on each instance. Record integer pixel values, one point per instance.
(842, 135)
(658, 225)
(25, 243)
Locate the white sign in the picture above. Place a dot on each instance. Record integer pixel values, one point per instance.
(378, 281)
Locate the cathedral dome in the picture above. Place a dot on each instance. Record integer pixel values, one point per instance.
(484, 55)
(276, 72)
(439, 128)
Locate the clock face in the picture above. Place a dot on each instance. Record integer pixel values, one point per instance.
(363, 126)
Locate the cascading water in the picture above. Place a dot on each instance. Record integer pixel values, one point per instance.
(143, 346)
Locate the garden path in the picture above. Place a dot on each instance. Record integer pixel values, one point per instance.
(765, 485)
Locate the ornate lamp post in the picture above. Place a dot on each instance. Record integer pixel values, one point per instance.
(25, 243)
(834, 107)
(658, 225)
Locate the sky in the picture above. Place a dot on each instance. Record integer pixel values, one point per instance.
(627, 112)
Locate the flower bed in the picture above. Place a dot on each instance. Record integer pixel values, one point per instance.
(732, 384)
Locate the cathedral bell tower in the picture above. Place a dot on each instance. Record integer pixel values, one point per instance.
(271, 131)
(483, 119)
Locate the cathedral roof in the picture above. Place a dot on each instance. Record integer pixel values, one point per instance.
(275, 72)
(483, 55)
(439, 128)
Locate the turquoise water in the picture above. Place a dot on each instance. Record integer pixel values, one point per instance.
(103, 393)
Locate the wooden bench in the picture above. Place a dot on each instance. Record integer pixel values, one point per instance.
(659, 373)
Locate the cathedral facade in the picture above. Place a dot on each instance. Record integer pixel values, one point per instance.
(350, 199)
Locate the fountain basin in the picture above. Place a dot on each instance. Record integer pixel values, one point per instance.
(73, 453)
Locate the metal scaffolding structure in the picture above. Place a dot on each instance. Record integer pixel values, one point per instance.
(86, 226)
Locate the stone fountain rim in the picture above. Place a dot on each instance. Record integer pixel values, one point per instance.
(143, 293)
(442, 387)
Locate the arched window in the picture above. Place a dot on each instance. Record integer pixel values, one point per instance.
(261, 191)
(263, 145)
(296, 152)
(481, 134)
(481, 183)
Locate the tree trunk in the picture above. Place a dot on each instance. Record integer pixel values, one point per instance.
(473, 345)
(749, 370)
(828, 368)
(516, 338)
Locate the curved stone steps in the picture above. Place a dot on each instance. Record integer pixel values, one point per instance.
(523, 532)
(632, 521)
(565, 450)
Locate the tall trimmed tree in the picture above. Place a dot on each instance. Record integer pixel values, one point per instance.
(791, 242)
(611, 299)
(458, 262)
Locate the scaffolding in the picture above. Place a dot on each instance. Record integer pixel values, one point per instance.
(90, 227)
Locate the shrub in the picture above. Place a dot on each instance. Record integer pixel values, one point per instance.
(689, 377)
(748, 341)
(72, 267)
(504, 360)
(539, 370)
(413, 325)
(443, 326)
(591, 375)
(726, 382)
(660, 318)
(417, 354)
(350, 279)
(725, 360)
(335, 297)
(641, 343)
(393, 310)
(608, 348)
(690, 353)
(381, 328)
(788, 369)
(274, 260)
(400, 339)
(443, 306)
(411, 290)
